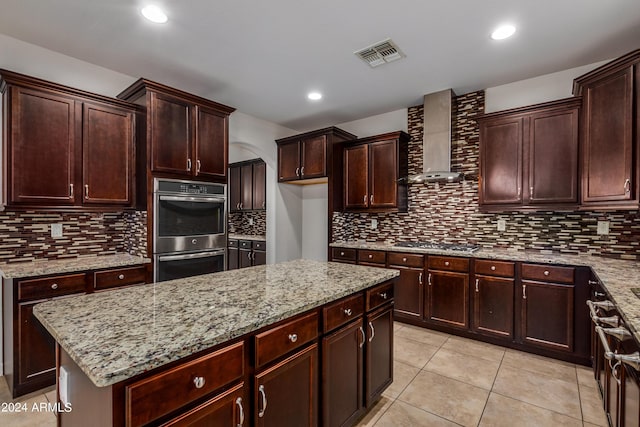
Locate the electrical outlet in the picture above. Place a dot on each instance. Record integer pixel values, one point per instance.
(56, 230)
(502, 225)
(374, 224)
(63, 385)
(603, 227)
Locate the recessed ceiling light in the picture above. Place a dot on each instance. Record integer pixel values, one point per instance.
(314, 96)
(154, 14)
(503, 32)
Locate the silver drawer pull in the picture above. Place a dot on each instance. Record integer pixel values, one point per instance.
(302, 171)
(370, 256)
(121, 276)
(546, 272)
(373, 332)
(477, 283)
(446, 263)
(264, 400)
(347, 312)
(404, 259)
(420, 278)
(341, 253)
(363, 337)
(429, 279)
(524, 291)
(241, 411)
(293, 337)
(199, 382)
(86, 191)
(599, 294)
(493, 268)
(627, 185)
(54, 286)
(383, 295)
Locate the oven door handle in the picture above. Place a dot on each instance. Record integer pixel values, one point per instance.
(191, 256)
(192, 199)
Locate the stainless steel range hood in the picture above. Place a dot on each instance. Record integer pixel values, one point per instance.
(436, 142)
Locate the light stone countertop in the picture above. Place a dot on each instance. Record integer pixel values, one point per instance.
(617, 276)
(247, 237)
(115, 335)
(45, 267)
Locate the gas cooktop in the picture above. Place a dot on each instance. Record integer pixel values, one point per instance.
(441, 246)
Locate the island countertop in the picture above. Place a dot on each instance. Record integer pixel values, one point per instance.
(113, 336)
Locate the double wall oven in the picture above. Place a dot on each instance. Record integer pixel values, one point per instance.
(189, 228)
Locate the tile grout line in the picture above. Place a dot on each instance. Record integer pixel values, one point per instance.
(492, 385)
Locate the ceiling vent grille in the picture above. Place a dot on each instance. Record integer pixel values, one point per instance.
(380, 53)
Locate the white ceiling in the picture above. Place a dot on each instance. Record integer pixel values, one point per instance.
(263, 56)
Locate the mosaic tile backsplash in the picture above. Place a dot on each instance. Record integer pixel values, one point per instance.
(449, 212)
(239, 223)
(26, 236)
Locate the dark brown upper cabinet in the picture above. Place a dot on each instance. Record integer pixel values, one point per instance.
(373, 167)
(610, 129)
(247, 186)
(187, 136)
(66, 148)
(529, 157)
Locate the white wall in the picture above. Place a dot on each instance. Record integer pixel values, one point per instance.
(375, 125)
(315, 222)
(548, 87)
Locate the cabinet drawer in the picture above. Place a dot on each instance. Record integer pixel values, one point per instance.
(282, 339)
(379, 295)
(547, 273)
(160, 394)
(232, 243)
(343, 254)
(373, 257)
(51, 287)
(449, 263)
(120, 277)
(244, 244)
(494, 268)
(406, 260)
(342, 311)
(259, 245)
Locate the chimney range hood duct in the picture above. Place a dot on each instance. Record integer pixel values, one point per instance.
(436, 144)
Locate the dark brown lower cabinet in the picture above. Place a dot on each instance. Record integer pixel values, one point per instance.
(232, 257)
(448, 298)
(227, 409)
(244, 258)
(379, 353)
(259, 257)
(286, 394)
(37, 361)
(408, 293)
(547, 315)
(342, 373)
(493, 300)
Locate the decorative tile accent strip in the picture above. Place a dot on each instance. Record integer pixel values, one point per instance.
(449, 212)
(239, 223)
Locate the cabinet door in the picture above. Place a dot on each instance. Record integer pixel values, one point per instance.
(608, 139)
(342, 375)
(246, 185)
(259, 185)
(227, 409)
(547, 315)
(170, 130)
(36, 349)
(314, 157)
(448, 298)
(42, 148)
(501, 161)
(232, 261)
(107, 155)
(244, 258)
(408, 293)
(493, 302)
(259, 257)
(356, 177)
(235, 188)
(211, 143)
(379, 358)
(289, 161)
(383, 164)
(286, 395)
(553, 157)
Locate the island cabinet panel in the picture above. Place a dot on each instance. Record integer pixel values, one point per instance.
(286, 394)
(345, 255)
(409, 287)
(161, 394)
(342, 311)
(283, 339)
(116, 278)
(379, 353)
(37, 366)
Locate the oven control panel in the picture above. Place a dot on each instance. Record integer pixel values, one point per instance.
(189, 187)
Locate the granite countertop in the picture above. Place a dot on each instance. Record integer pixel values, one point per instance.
(617, 276)
(115, 335)
(45, 267)
(247, 237)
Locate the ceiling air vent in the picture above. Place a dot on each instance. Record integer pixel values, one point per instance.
(380, 53)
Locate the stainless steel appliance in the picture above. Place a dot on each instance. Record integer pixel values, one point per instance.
(189, 228)
(442, 246)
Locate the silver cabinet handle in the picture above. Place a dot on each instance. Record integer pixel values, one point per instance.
(297, 171)
(531, 192)
(364, 199)
(420, 278)
(189, 164)
(198, 165)
(293, 337)
(593, 282)
(446, 263)
(241, 205)
(86, 191)
(599, 294)
(240, 411)
(477, 283)
(524, 291)
(371, 199)
(264, 205)
(373, 332)
(404, 259)
(429, 279)
(384, 294)
(121, 277)
(627, 185)
(302, 171)
(199, 382)
(546, 272)
(347, 312)
(363, 337)
(493, 268)
(54, 286)
(341, 253)
(264, 400)
(370, 256)
(71, 191)
(519, 191)
(249, 255)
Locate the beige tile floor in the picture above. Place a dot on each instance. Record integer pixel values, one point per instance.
(444, 380)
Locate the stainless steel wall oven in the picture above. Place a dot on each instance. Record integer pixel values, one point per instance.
(189, 228)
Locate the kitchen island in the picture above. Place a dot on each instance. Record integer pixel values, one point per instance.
(182, 350)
